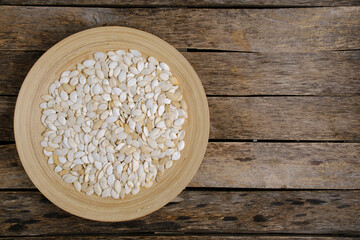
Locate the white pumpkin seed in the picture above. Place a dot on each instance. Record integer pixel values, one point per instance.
(100, 56)
(131, 82)
(73, 97)
(64, 96)
(181, 145)
(179, 122)
(106, 192)
(88, 63)
(163, 76)
(164, 66)
(70, 179)
(77, 186)
(97, 189)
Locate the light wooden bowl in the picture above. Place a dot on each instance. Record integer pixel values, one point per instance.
(28, 128)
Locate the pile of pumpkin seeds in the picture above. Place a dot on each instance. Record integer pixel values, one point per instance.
(114, 124)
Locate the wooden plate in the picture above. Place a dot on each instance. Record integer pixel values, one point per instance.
(28, 128)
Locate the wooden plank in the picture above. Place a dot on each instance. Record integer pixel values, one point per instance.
(15, 69)
(319, 73)
(247, 165)
(285, 118)
(182, 236)
(258, 30)
(7, 107)
(185, 3)
(269, 118)
(12, 174)
(297, 212)
(280, 165)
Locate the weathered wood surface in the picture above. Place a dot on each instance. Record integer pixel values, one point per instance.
(258, 30)
(7, 107)
(285, 118)
(279, 118)
(319, 73)
(14, 68)
(295, 59)
(316, 212)
(182, 236)
(280, 165)
(247, 165)
(186, 3)
(232, 73)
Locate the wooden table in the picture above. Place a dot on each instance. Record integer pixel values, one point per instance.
(283, 85)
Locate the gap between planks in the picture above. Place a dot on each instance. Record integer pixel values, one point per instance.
(185, 3)
(186, 236)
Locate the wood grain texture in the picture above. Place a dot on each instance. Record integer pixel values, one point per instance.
(186, 3)
(12, 173)
(7, 107)
(247, 165)
(254, 165)
(261, 118)
(285, 118)
(182, 236)
(258, 30)
(280, 165)
(319, 73)
(15, 67)
(297, 212)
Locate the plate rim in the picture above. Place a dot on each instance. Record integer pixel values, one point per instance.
(17, 114)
